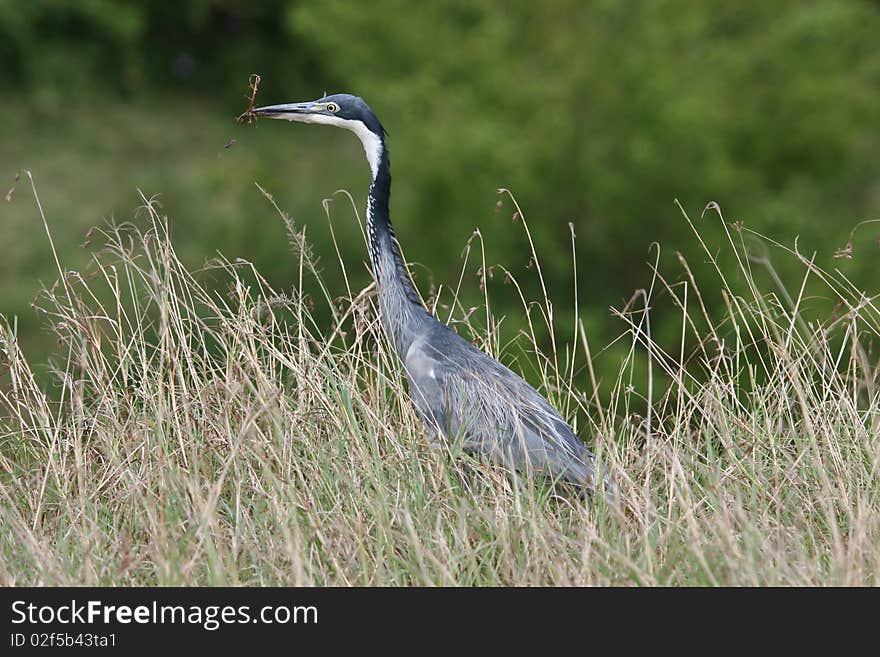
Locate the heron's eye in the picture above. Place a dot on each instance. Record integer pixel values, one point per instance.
(332, 107)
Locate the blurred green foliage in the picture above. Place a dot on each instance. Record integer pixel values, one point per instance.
(596, 113)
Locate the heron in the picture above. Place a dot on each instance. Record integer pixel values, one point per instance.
(460, 393)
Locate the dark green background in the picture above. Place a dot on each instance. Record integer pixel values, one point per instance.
(596, 113)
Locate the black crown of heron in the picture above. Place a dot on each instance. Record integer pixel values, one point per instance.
(460, 392)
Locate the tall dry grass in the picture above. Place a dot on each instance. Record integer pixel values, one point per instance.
(197, 437)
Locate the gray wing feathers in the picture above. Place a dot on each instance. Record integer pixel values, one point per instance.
(464, 394)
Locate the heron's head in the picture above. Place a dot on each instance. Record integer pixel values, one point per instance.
(340, 110)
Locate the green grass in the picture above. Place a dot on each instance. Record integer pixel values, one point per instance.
(197, 437)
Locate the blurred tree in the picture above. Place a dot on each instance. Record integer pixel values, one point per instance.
(57, 47)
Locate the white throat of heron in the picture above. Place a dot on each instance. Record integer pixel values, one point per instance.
(370, 140)
(373, 146)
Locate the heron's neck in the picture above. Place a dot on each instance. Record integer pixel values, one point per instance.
(388, 265)
(398, 299)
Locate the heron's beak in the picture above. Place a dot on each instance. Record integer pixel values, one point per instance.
(290, 111)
